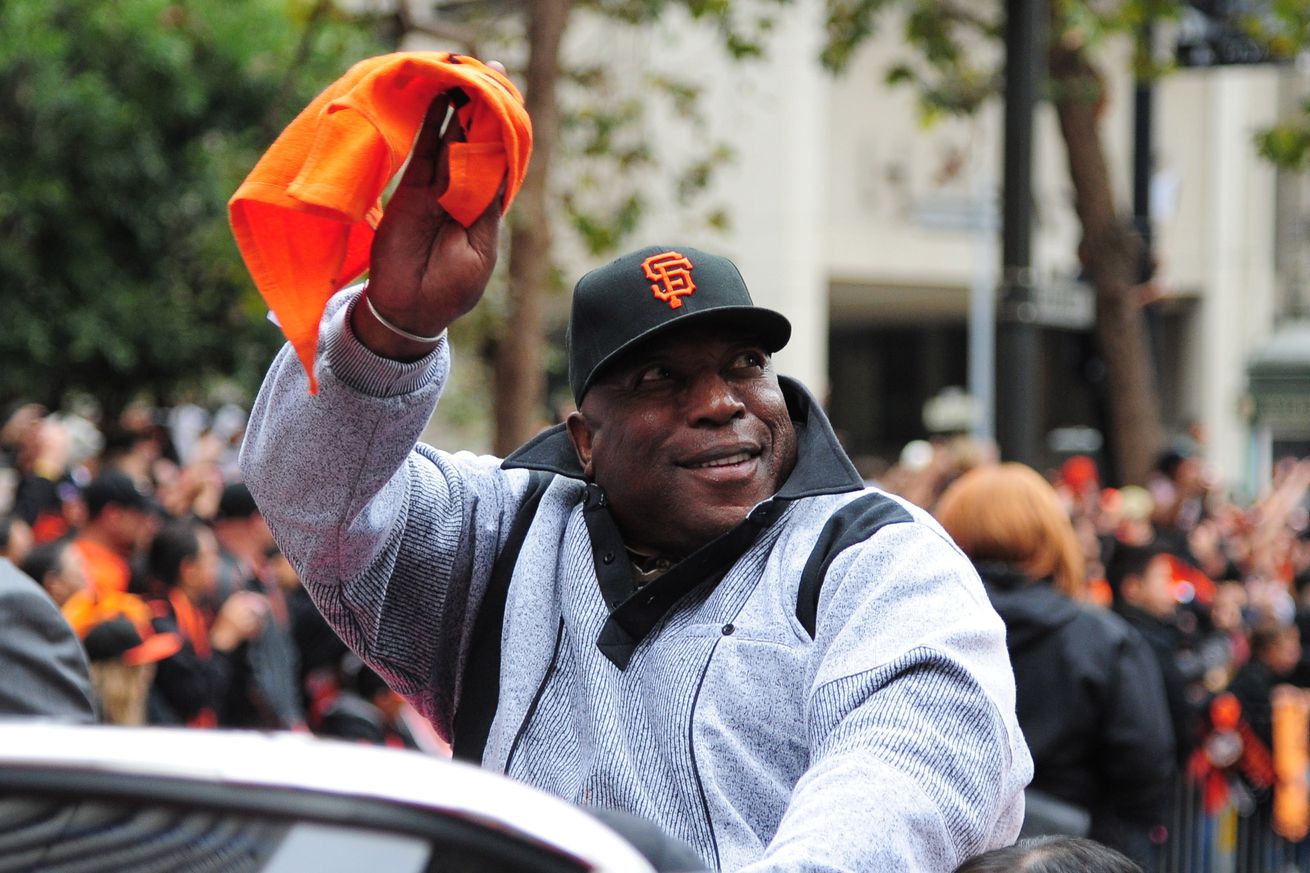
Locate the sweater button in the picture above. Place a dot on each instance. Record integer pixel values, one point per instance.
(728, 629)
(607, 558)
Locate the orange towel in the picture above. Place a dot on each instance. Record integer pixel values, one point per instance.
(304, 217)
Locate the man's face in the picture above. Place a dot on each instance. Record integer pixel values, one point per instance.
(129, 528)
(1156, 589)
(686, 435)
(199, 575)
(70, 578)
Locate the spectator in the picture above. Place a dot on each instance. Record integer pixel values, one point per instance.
(15, 538)
(123, 662)
(58, 568)
(120, 520)
(318, 648)
(192, 687)
(1141, 580)
(265, 691)
(1051, 855)
(44, 668)
(366, 710)
(1275, 652)
(1089, 694)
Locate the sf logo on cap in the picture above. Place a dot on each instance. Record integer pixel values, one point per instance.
(671, 273)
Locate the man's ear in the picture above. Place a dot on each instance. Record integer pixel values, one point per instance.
(580, 435)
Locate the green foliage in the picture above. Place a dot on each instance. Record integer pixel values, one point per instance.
(1288, 145)
(124, 128)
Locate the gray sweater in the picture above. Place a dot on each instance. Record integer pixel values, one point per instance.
(877, 735)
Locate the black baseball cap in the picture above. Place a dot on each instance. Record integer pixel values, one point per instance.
(115, 487)
(653, 290)
(236, 502)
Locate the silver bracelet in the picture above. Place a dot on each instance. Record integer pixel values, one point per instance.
(396, 330)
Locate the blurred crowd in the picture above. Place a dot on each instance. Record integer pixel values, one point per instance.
(142, 533)
(1155, 631)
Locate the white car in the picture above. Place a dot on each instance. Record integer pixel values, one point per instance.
(83, 799)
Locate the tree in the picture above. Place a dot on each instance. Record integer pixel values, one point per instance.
(958, 66)
(124, 128)
(582, 124)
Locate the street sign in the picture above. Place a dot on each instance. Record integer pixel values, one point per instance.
(1213, 33)
(1064, 303)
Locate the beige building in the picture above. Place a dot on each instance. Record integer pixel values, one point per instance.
(873, 233)
(878, 237)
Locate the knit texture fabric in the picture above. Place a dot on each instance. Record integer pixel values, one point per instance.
(887, 740)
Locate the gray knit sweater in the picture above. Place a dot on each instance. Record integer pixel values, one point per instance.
(882, 738)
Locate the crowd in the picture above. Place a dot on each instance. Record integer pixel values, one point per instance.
(141, 532)
(1201, 598)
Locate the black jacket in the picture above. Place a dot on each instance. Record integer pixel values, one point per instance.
(1166, 642)
(1090, 701)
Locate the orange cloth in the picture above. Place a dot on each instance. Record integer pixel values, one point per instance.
(1291, 761)
(106, 571)
(304, 217)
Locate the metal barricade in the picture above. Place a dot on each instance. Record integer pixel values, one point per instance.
(1235, 837)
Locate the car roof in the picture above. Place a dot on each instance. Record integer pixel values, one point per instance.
(289, 764)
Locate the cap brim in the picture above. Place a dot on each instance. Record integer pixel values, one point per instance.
(156, 647)
(772, 328)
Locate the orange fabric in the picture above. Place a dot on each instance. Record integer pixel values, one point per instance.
(191, 623)
(106, 571)
(1291, 761)
(304, 217)
(86, 609)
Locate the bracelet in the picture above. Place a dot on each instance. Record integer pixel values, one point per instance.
(397, 330)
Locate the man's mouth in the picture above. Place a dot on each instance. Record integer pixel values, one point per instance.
(730, 460)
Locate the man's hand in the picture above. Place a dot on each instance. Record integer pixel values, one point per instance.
(426, 269)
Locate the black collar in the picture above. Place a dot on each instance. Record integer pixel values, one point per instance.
(822, 467)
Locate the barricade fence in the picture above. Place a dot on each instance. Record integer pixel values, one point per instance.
(1236, 835)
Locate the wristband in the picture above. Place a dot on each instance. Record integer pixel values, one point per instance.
(397, 330)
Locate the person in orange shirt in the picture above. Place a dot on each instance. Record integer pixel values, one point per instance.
(120, 520)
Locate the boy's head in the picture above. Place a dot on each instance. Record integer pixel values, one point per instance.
(1141, 576)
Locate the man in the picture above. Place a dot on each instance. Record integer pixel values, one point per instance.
(1141, 579)
(58, 568)
(265, 692)
(1275, 652)
(44, 667)
(193, 686)
(120, 521)
(709, 621)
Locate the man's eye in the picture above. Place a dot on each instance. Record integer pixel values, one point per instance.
(751, 360)
(654, 374)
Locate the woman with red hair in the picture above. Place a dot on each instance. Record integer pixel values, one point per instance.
(1089, 694)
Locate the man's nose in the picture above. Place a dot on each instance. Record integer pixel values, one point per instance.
(711, 400)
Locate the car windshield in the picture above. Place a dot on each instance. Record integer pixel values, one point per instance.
(62, 834)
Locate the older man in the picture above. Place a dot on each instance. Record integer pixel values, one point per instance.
(681, 603)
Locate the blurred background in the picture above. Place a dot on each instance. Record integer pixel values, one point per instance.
(1069, 233)
(1144, 288)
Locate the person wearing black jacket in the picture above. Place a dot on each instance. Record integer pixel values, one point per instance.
(1090, 698)
(1141, 580)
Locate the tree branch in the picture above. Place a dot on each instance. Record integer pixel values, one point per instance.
(464, 37)
(969, 16)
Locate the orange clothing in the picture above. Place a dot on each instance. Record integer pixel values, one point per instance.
(106, 571)
(86, 609)
(304, 217)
